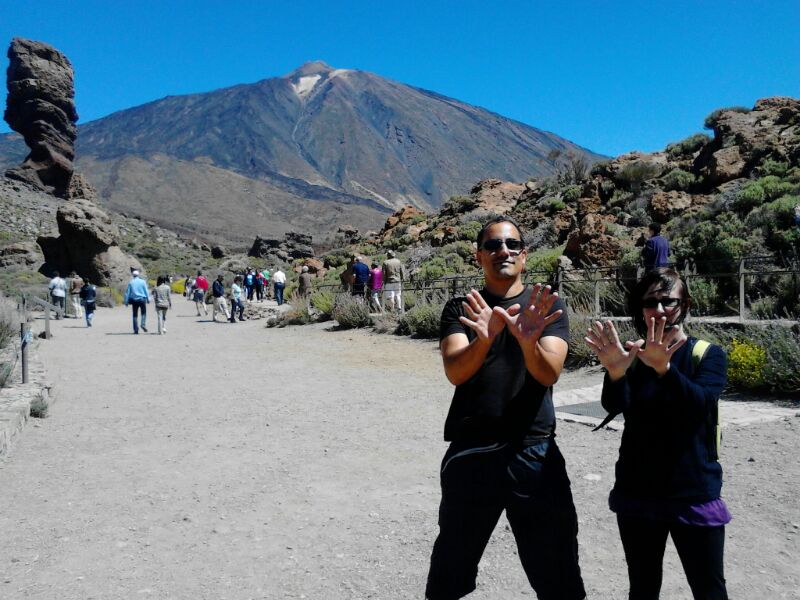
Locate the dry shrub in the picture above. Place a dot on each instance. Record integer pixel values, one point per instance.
(351, 312)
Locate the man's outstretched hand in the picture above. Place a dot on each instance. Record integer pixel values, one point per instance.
(526, 323)
(480, 317)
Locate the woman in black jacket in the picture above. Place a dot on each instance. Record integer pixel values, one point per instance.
(668, 478)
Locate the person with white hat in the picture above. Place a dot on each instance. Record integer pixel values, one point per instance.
(138, 297)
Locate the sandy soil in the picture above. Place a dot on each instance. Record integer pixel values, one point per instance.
(234, 461)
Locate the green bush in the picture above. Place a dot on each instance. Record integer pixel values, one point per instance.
(620, 199)
(634, 174)
(351, 312)
(544, 260)
(469, 231)
(712, 119)
(385, 322)
(678, 179)
(324, 301)
(463, 248)
(746, 362)
(689, 146)
(421, 321)
(764, 308)
(9, 321)
(459, 204)
(299, 313)
(571, 194)
(553, 205)
(774, 167)
(705, 295)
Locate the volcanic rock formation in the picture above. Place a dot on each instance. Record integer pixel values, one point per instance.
(41, 107)
(87, 244)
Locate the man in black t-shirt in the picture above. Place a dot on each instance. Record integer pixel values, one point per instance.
(503, 348)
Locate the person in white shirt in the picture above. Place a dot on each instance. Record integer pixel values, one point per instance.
(237, 302)
(279, 283)
(58, 292)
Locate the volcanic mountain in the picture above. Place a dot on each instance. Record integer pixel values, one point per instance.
(308, 151)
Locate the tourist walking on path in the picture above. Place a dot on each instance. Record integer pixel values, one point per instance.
(259, 284)
(360, 277)
(58, 293)
(394, 274)
(137, 296)
(656, 250)
(199, 293)
(503, 348)
(237, 301)
(188, 286)
(250, 283)
(266, 274)
(220, 304)
(75, 285)
(375, 286)
(668, 476)
(88, 295)
(279, 281)
(162, 296)
(305, 283)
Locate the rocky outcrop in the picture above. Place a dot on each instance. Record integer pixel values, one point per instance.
(87, 244)
(496, 196)
(21, 255)
(41, 107)
(743, 138)
(292, 246)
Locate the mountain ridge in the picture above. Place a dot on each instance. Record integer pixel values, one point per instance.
(337, 136)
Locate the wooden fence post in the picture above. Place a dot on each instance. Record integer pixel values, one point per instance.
(597, 298)
(742, 307)
(23, 335)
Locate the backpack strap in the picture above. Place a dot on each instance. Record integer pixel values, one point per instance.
(699, 351)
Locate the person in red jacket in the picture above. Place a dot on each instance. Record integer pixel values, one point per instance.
(199, 293)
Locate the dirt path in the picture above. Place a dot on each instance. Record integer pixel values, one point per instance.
(234, 461)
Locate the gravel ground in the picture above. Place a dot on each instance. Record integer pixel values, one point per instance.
(232, 461)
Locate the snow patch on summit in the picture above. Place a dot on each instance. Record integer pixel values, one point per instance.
(305, 84)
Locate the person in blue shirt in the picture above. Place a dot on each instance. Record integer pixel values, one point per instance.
(137, 296)
(360, 276)
(88, 296)
(656, 251)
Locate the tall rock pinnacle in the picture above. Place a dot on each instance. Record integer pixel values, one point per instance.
(41, 107)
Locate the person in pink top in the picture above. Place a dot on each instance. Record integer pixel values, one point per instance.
(375, 285)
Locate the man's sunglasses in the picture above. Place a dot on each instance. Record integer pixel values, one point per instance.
(664, 302)
(493, 245)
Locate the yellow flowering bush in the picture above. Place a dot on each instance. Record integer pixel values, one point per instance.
(746, 362)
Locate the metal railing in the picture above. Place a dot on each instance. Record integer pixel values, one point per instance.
(600, 291)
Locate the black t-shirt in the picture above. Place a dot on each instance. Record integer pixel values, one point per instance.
(502, 401)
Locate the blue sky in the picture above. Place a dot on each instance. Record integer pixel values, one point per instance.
(611, 76)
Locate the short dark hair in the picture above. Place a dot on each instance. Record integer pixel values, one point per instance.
(495, 221)
(655, 228)
(666, 279)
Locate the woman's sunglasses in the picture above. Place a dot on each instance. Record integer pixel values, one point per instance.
(493, 245)
(664, 302)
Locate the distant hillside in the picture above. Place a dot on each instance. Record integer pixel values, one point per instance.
(307, 151)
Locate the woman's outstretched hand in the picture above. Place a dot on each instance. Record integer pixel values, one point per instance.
(661, 345)
(615, 358)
